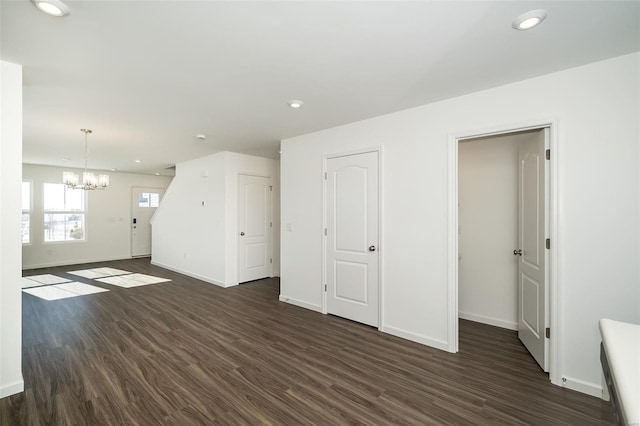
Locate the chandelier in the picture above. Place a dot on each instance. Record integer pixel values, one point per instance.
(90, 181)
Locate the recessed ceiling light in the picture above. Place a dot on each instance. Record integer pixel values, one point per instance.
(294, 103)
(529, 20)
(113, 169)
(157, 174)
(52, 7)
(138, 161)
(201, 136)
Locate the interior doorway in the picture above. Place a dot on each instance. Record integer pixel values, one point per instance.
(523, 245)
(502, 211)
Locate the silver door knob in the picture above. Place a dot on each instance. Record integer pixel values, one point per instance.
(372, 248)
(517, 252)
(242, 234)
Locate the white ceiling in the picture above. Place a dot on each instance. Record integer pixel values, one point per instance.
(147, 76)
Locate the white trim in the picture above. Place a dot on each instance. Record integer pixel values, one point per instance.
(381, 246)
(496, 322)
(582, 386)
(76, 262)
(555, 289)
(379, 150)
(219, 283)
(12, 389)
(554, 266)
(414, 337)
(452, 261)
(300, 303)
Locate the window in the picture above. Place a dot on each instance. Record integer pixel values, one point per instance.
(63, 213)
(26, 212)
(149, 199)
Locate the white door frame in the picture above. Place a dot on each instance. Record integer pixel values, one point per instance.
(237, 229)
(323, 282)
(553, 267)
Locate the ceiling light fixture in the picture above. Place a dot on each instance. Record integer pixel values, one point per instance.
(52, 7)
(138, 161)
(89, 180)
(529, 20)
(201, 136)
(294, 103)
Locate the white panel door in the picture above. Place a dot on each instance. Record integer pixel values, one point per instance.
(532, 287)
(352, 258)
(254, 225)
(144, 202)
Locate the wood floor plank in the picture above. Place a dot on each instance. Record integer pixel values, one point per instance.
(188, 352)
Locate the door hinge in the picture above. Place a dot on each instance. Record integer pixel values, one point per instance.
(270, 260)
(325, 175)
(325, 231)
(270, 188)
(270, 224)
(547, 332)
(325, 287)
(548, 243)
(548, 154)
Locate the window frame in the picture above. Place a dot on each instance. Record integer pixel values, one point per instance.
(82, 212)
(29, 211)
(149, 199)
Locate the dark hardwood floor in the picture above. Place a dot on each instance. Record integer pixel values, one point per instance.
(186, 352)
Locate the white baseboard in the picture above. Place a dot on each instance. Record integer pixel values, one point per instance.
(72, 262)
(300, 303)
(488, 320)
(11, 388)
(414, 337)
(578, 385)
(192, 275)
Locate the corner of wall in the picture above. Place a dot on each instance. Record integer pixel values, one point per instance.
(11, 380)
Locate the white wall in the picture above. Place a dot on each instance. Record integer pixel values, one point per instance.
(108, 219)
(488, 229)
(11, 380)
(201, 241)
(187, 236)
(596, 108)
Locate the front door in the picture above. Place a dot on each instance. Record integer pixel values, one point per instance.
(352, 234)
(532, 283)
(144, 202)
(254, 225)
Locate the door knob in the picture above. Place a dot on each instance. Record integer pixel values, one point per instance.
(242, 234)
(372, 248)
(517, 252)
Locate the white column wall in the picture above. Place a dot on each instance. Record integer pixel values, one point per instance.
(202, 240)
(11, 380)
(596, 108)
(189, 227)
